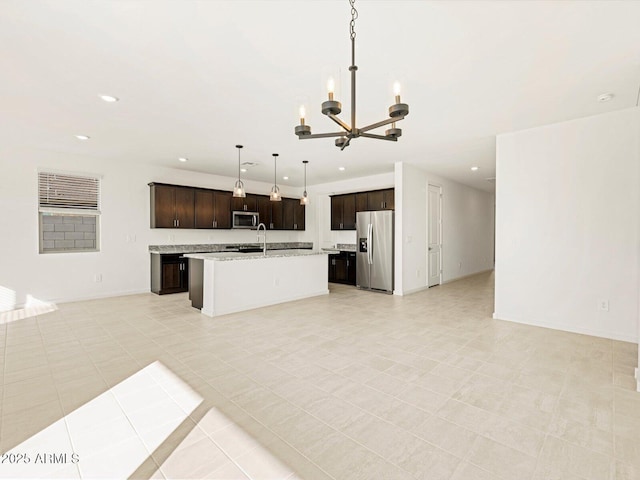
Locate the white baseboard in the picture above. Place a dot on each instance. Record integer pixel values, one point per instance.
(623, 337)
(409, 292)
(466, 276)
(83, 298)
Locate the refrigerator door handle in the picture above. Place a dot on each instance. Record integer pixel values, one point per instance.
(369, 243)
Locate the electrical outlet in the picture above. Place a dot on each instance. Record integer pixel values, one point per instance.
(603, 305)
(276, 282)
(97, 278)
(172, 238)
(459, 265)
(418, 273)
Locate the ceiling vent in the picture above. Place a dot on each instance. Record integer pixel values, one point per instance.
(249, 164)
(491, 179)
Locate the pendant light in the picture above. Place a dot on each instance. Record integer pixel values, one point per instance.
(238, 189)
(274, 196)
(332, 108)
(304, 200)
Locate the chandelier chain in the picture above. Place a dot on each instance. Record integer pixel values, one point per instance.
(354, 16)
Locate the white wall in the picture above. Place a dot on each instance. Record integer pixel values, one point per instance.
(411, 229)
(467, 228)
(124, 266)
(567, 222)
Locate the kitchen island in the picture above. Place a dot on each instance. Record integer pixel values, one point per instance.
(228, 282)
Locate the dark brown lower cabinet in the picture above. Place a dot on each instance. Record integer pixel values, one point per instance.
(169, 273)
(342, 268)
(351, 268)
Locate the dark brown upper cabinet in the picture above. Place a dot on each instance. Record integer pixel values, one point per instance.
(246, 204)
(381, 199)
(212, 208)
(343, 212)
(344, 207)
(293, 214)
(270, 212)
(177, 206)
(172, 206)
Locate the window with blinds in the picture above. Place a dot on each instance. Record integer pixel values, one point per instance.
(69, 212)
(62, 191)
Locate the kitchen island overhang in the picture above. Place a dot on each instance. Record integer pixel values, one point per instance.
(232, 282)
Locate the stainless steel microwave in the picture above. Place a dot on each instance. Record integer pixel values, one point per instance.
(245, 219)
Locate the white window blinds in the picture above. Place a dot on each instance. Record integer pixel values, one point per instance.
(66, 192)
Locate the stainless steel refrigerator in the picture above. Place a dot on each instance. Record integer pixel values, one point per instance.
(374, 251)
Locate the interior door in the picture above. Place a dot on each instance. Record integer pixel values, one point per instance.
(435, 235)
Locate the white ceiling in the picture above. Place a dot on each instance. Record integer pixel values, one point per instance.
(197, 77)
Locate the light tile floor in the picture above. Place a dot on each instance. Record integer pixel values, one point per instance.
(353, 385)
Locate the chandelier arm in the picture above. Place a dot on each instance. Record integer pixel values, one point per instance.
(339, 122)
(380, 124)
(379, 137)
(346, 144)
(322, 135)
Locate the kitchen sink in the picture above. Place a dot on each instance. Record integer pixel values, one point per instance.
(250, 249)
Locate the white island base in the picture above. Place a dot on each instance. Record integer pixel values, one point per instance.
(243, 281)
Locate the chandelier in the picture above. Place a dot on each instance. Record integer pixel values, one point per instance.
(332, 108)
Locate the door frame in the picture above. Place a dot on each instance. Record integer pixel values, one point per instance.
(440, 211)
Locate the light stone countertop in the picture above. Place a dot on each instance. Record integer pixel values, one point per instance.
(341, 247)
(222, 247)
(226, 256)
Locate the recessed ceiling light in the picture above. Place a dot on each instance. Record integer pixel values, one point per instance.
(243, 170)
(182, 159)
(605, 97)
(82, 137)
(285, 178)
(475, 169)
(109, 98)
(341, 169)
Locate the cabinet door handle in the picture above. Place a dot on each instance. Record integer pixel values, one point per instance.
(177, 223)
(295, 226)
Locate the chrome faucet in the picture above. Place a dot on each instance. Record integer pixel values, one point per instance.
(264, 238)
